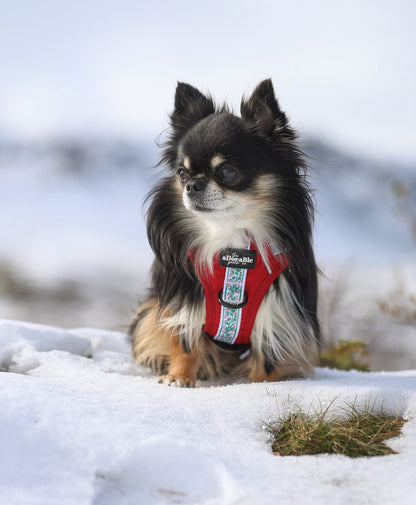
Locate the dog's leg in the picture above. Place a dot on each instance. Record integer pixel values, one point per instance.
(183, 366)
(262, 371)
(259, 373)
(156, 346)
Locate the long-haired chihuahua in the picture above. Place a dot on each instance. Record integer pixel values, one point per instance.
(234, 280)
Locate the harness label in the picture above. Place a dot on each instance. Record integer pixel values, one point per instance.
(238, 258)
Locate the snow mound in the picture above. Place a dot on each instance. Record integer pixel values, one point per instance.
(81, 424)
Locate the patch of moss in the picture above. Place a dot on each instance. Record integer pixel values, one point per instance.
(346, 355)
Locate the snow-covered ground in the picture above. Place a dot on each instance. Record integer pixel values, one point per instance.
(81, 425)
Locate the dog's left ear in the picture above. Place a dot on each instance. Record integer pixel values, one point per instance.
(262, 109)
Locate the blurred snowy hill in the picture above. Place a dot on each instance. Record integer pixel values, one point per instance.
(73, 188)
(365, 209)
(74, 250)
(73, 246)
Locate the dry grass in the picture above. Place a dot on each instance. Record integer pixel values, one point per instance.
(104, 300)
(356, 435)
(346, 355)
(405, 196)
(400, 303)
(352, 308)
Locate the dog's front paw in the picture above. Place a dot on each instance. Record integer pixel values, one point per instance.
(178, 381)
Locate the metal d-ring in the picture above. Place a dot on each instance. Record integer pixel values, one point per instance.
(230, 305)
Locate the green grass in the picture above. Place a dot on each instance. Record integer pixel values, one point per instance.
(356, 435)
(346, 355)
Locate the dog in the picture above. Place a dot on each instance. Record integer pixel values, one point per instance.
(234, 280)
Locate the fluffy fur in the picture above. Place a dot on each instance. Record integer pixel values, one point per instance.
(231, 179)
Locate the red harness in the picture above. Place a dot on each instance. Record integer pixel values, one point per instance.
(235, 288)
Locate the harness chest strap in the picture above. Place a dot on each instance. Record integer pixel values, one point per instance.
(235, 288)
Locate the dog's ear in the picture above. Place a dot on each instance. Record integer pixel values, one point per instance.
(190, 107)
(262, 109)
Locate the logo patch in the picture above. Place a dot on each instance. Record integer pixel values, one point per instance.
(238, 258)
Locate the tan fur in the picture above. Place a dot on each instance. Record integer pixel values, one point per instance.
(151, 342)
(183, 366)
(159, 347)
(287, 370)
(217, 160)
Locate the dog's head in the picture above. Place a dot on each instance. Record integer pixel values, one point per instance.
(228, 165)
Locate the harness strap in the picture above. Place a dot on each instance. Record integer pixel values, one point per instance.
(235, 288)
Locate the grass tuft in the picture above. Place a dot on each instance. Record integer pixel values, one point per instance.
(346, 355)
(357, 435)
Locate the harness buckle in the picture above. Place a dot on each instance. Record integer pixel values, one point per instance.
(230, 305)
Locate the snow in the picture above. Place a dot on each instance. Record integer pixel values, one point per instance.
(81, 424)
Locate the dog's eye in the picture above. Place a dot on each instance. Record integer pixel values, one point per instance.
(183, 175)
(229, 174)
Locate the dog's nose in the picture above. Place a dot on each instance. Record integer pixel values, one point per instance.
(196, 185)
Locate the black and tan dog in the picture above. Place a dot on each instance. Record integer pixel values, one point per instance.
(234, 280)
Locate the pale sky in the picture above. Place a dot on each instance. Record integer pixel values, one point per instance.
(342, 69)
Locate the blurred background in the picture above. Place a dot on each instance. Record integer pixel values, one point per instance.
(86, 88)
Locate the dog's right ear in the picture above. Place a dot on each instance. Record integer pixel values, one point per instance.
(190, 107)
